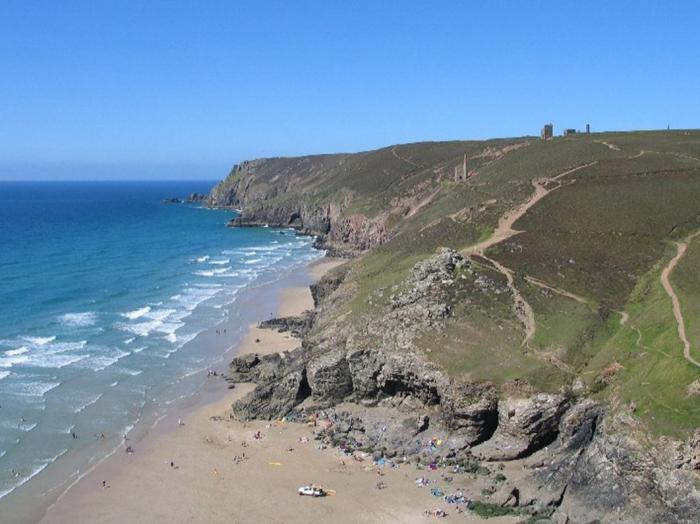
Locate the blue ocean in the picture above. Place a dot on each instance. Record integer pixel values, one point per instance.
(104, 290)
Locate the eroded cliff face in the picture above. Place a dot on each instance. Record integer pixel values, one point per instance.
(265, 193)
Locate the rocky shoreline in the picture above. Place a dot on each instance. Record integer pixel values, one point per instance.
(579, 462)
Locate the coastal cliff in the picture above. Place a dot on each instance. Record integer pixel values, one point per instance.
(505, 347)
(268, 194)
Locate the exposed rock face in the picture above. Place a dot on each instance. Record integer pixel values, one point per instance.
(254, 188)
(421, 302)
(524, 425)
(471, 410)
(327, 285)
(329, 377)
(338, 374)
(196, 198)
(297, 326)
(273, 398)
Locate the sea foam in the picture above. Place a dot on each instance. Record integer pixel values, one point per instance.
(85, 319)
(137, 313)
(18, 351)
(39, 341)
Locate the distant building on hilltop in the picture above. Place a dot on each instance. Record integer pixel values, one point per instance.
(547, 132)
(462, 171)
(570, 131)
(588, 129)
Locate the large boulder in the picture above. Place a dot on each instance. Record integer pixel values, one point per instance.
(252, 367)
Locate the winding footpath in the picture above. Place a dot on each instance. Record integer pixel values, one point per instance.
(396, 155)
(681, 248)
(505, 230)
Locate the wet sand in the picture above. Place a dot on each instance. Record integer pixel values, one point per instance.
(210, 468)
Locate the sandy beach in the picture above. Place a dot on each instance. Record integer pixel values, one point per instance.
(203, 466)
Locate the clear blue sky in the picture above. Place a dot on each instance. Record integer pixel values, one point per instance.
(200, 85)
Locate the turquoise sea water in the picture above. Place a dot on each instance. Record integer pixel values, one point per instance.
(102, 288)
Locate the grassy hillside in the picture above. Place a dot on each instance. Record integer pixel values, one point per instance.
(587, 257)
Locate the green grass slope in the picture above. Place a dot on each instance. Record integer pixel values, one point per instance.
(586, 256)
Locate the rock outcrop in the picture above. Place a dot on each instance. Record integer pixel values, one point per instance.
(524, 425)
(579, 464)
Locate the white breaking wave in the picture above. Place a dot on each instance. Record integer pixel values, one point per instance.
(157, 320)
(8, 362)
(87, 318)
(232, 274)
(220, 262)
(35, 389)
(101, 362)
(87, 404)
(44, 355)
(212, 272)
(129, 340)
(22, 426)
(54, 360)
(138, 313)
(38, 469)
(142, 329)
(4, 374)
(39, 341)
(203, 259)
(161, 314)
(18, 351)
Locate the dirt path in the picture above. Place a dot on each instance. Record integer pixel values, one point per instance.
(393, 152)
(563, 292)
(609, 145)
(505, 230)
(523, 310)
(624, 317)
(427, 200)
(677, 312)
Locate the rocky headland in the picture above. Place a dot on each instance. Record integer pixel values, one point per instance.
(556, 454)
